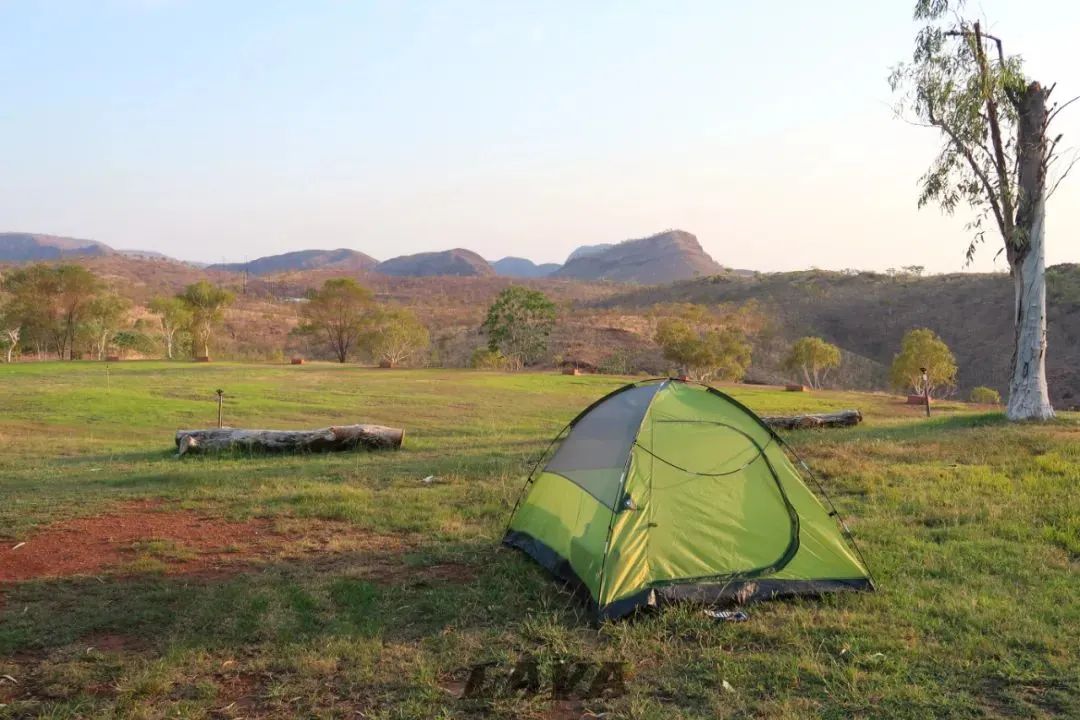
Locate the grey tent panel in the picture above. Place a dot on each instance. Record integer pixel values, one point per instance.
(594, 454)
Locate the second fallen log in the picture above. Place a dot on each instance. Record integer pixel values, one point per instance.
(330, 439)
(843, 418)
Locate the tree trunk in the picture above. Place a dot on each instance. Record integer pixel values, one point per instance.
(1029, 398)
(843, 418)
(331, 439)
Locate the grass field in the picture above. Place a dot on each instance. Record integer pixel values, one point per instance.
(345, 586)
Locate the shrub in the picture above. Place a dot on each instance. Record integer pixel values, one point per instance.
(985, 396)
(487, 359)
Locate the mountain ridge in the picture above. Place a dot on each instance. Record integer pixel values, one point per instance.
(456, 261)
(512, 266)
(665, 257)
(343, 258)
(34, 247)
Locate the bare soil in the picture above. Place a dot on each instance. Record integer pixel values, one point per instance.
(190, 543)
(91, 545)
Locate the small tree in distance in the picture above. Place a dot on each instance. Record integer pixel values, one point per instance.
(174, 316)
(922, 348)
(705, 353)
(396, 337)
(814, 358)
(105, 316)
(339, 311)
(206, 303)
(518, 325)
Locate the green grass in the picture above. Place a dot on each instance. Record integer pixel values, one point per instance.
(971, 526)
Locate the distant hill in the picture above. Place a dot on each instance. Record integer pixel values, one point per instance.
(523, 267)
(146, 255)
(342, 259)
(587, 250)
(32, 247)
(458, 262)
(662, 258)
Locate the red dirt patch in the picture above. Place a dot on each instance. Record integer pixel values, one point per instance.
(188, 542)
(110, 643)
(144, 535)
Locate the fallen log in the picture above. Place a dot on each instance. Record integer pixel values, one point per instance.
(844, 418)
(331, 439)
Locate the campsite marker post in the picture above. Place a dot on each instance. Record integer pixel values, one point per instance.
(926, 390)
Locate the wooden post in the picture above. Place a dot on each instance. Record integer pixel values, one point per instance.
(926, 390)
(220, 394)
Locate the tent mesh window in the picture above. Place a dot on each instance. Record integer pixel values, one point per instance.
(593, 456)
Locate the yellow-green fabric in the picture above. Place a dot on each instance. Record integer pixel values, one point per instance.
(570, 522)
(708, 496)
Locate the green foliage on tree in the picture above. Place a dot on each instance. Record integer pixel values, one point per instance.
(518, 325)
(396, 336)
(985, 396)
(105, 316)
(174, 319)
(705, 353)
(814, 358)
(922, 348)
(340, 311)
(50, 304)
(206, 303)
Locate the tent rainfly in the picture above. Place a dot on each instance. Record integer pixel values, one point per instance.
(667, 490)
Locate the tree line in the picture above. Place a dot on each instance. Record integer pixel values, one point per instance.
(68, 312)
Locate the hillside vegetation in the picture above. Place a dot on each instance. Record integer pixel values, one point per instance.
(867, 314)
(346, 585)
(606, 326)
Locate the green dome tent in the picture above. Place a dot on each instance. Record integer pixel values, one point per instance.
(667, 490)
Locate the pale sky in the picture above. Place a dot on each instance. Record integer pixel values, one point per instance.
(214, 130)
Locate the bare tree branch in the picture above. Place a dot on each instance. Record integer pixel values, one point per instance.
(1049, 158)
(1072, 164)
(1059, 108)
